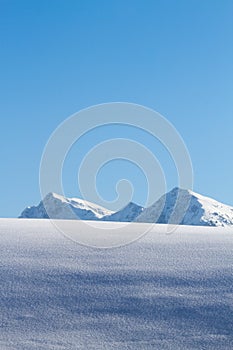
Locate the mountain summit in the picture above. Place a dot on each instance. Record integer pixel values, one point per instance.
(186, 207)
(129, 213)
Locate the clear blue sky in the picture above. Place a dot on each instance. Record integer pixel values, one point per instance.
(58, 57)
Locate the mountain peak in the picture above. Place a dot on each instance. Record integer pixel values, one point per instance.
(185, 207)
(177, 190)
(57, 206)
(53, 195)
(127, 214)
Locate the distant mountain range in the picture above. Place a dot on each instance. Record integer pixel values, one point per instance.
(178, 206)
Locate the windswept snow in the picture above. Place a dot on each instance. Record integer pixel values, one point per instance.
(165, 291)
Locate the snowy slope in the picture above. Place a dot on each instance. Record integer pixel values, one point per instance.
(127, 214)
(60, 207)
(197, 210)
(165, 292)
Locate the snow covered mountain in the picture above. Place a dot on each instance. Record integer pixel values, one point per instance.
(129, 213)
(190, 209)
(60, 207)
(178, 206)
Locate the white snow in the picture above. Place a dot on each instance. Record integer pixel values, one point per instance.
(165, 291)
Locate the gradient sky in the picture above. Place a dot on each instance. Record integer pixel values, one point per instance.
(58, 57)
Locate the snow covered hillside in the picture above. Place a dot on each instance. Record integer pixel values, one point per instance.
(167, 292)
(197, 210)
(60, 207)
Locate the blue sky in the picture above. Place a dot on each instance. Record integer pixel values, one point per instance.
(58, 57)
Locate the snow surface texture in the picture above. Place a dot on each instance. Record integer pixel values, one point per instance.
(161, 292)
(190, 209)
